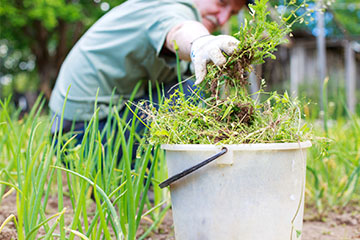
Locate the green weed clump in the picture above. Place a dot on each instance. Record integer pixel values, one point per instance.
(230, 121)
(221, 110)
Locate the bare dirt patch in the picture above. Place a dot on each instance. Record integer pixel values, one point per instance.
(8, 207)
(336, 225)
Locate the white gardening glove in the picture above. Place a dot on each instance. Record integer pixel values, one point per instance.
(209, 48)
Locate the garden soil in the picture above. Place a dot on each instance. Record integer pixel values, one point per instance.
(344, 225)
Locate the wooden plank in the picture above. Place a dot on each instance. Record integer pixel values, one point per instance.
(321, 51)
(254, 85)
(350, 76)
(297, 67)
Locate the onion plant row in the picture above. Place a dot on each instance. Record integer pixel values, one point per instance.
(35, 165)
(333, 172)
(334, 160)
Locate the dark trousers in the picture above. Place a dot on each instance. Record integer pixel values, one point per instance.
(80, 126)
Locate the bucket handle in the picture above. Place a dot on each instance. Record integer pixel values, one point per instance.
(192, 169)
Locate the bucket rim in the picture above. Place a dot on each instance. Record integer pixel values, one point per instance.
(237, 147)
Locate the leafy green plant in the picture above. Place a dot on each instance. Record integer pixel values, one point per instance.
(221, 110)
(43, 32)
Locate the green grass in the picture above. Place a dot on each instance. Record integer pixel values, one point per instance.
(333, 174)
(334, 160)
(33, 167)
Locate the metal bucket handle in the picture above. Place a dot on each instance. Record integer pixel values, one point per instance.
(182, 174)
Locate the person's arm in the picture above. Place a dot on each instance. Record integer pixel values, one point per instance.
(184, 34)
(196, 44)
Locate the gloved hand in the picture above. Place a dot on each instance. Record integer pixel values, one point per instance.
(209, 48)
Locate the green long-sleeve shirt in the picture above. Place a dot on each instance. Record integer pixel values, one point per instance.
(119, 50)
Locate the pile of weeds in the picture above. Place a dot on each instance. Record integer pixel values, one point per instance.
(221, 110)
(230, 121)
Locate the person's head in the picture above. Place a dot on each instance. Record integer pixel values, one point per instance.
(216, 13)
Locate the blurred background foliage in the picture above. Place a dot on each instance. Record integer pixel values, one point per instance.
(35, 37)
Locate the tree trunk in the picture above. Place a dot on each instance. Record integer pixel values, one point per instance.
(47, 77)
(48, 65)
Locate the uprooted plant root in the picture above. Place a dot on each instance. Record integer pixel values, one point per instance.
(239, 112)
(238, 70)
(233, 75)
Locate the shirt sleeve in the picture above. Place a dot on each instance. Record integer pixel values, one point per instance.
(165, 18)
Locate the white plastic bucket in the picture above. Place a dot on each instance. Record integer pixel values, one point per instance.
(253, 192)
